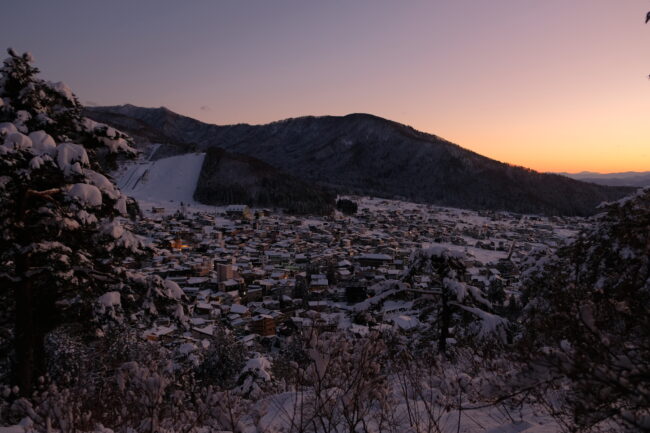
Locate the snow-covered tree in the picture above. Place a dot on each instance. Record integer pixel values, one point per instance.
(587, 320)
(61, 238)
(33, 104)
(458, 304)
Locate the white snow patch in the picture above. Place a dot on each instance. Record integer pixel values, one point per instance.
(7, 128)
(86, 194)
(261, 366)
(238, 309)
(113, 229)
(108, 302)
(490, 323)
(406, 322)
(187, 348)
(69, 154)
(36, 162)
(167, 179)
(101, 182)
(120, 205)
(62, 89)
(17, 140)
(173, 290)
(42, 143)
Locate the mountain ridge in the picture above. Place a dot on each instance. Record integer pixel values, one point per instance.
(365, 154)
(628, 178)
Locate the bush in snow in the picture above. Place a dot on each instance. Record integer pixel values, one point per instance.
(124, 383)
(223, 361)
(337, 383)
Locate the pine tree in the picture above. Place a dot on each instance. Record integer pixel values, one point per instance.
(458, 304)
(62, 239)
(348, 207)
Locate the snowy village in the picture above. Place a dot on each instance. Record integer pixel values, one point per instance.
(328, 273)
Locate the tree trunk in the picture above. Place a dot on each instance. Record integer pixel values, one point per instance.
(26, 337)
(444, 321)
(29, 335)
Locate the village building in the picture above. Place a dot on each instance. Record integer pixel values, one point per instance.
(263, 325)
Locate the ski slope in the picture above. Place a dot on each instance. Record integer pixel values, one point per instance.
(170, 179)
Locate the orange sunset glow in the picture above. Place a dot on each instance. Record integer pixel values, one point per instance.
(553, 85)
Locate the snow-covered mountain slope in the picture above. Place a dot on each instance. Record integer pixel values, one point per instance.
(170, 179)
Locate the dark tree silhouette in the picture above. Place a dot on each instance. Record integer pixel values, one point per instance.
(587, 319)
(62, 242)
(346, 206)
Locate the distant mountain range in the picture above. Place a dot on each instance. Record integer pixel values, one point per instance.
(628, 178)
(365, 154)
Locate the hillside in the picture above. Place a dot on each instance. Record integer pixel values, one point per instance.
(365, 154)
(230, 178)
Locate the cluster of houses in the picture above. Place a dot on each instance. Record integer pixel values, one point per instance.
(265, 275)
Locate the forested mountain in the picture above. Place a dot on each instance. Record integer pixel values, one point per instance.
(365, 154)
(231, 178)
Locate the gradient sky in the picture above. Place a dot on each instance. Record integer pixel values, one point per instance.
(555, 85)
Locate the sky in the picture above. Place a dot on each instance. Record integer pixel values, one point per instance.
(553, 85)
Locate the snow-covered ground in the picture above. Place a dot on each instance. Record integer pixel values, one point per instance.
(170, 179)
(164, 183)
(275, 415)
